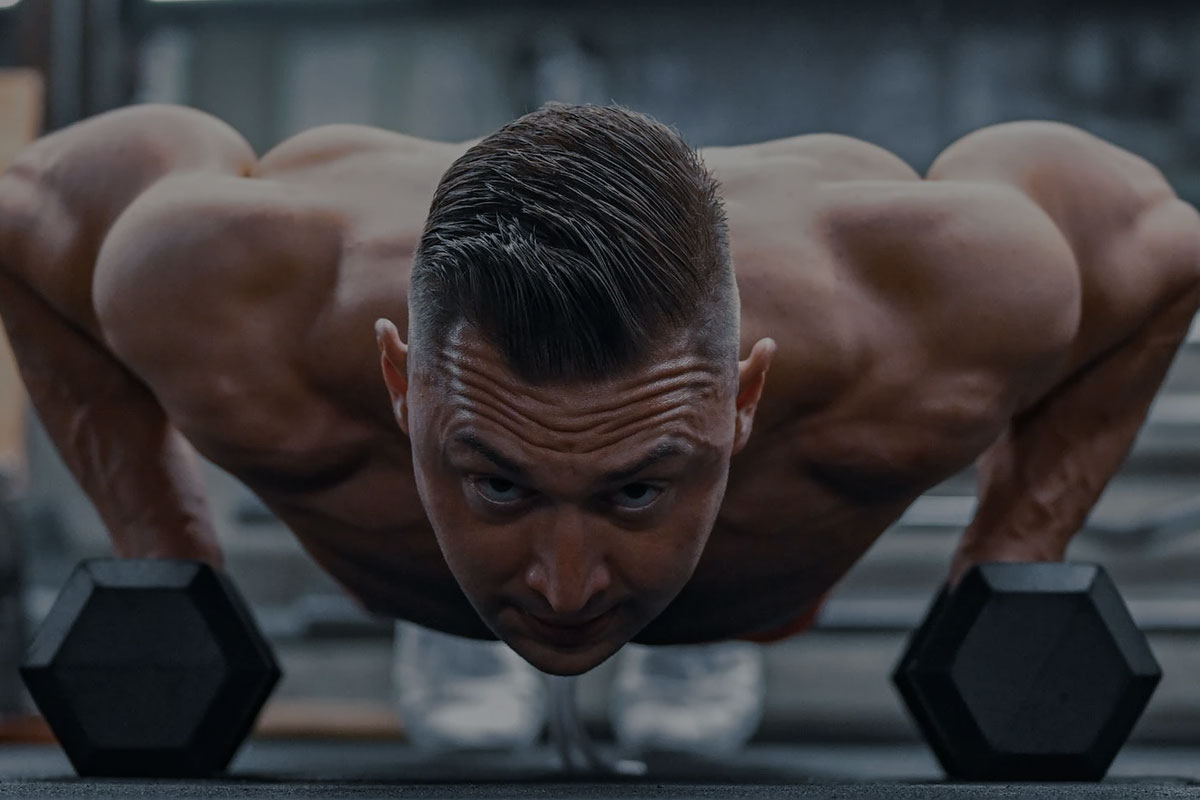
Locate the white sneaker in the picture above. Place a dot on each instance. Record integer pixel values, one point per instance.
(464, 694)
(699, 699)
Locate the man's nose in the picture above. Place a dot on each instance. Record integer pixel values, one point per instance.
(569, 569)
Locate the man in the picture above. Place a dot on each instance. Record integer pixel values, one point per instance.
(565, 451)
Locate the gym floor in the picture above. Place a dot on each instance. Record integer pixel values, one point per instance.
(327, 769)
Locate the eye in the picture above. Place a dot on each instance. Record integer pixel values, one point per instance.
(637, 496)
(499, 490)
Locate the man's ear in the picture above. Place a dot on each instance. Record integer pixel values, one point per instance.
(752, 377)
(393, 357)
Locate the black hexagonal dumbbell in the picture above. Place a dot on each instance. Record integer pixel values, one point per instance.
(149, 668)
(1028, 672)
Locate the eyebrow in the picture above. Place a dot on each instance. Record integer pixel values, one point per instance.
(661, 451)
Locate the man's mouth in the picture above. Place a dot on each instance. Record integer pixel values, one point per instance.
(568, 634)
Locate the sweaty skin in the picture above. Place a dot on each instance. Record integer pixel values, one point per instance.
(168, 292)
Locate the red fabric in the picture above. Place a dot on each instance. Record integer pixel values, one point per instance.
(797, 626)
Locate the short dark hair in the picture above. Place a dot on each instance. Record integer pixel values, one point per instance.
(576, 240)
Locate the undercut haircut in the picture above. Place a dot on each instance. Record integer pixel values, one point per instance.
(577, 240)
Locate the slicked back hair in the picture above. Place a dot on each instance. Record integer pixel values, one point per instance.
(577, 240)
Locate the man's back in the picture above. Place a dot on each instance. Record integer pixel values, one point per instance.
(237, 295)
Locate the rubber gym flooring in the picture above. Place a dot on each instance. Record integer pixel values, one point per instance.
(366, 770)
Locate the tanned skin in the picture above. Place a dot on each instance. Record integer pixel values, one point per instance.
(168, 292)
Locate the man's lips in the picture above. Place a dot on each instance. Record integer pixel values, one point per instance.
(571, 634)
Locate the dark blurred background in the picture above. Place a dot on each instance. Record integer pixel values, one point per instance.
(910, 75)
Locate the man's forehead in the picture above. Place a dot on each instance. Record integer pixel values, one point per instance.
(572, 431)
(618, 417)
(468, 366)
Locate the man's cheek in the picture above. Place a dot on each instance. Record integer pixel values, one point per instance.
(473, 552)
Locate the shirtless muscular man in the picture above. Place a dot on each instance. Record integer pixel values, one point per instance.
(626, 394)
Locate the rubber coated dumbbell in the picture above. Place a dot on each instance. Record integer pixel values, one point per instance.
(149, 668)
(1028, 672)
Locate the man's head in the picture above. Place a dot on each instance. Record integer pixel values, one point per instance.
(571, 386)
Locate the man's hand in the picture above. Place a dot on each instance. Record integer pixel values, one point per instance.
(974, 550)
(192, 543)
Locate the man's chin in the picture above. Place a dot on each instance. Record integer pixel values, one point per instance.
(559, 652)
(554, 659)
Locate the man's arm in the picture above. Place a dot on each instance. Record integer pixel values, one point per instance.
(1039, 481)
(1137, 249)
(57, 203)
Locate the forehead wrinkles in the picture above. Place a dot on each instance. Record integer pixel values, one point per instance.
(669, 392)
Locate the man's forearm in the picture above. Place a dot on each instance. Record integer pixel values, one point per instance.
(1041, 479)
(139, 472)
(144, 479)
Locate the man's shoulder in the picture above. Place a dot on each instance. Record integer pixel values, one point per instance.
(320, 146)
(212, 251)
(231, 228)
(952, 276)
(884, 275)
(1134, 244)
(62, 194)
(815, 157)
(96, 167)
(940, 305)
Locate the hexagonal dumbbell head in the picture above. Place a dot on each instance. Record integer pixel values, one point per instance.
(1028, 672)
(149, 668)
